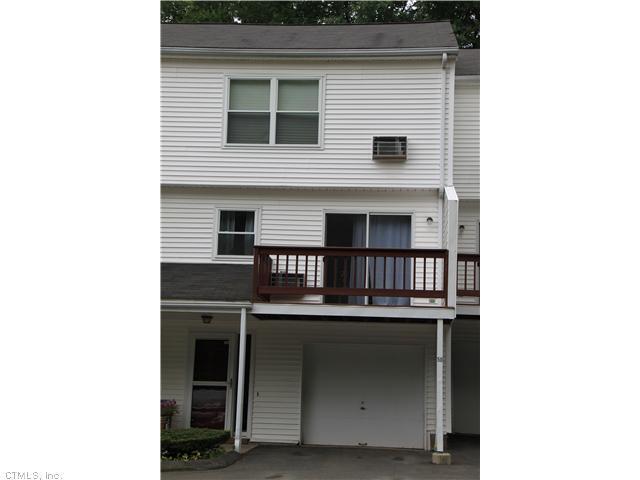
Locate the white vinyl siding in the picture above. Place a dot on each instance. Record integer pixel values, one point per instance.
(362, 99)
(469, 216)
(466, 140)
(275, 414)
(287, 217)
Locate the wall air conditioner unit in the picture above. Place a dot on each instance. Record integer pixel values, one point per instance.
(390, 148)
(282, 279)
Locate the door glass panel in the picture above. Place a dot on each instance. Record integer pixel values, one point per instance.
(345, 230)
(211, 361)
(208, 407)
(390, 231)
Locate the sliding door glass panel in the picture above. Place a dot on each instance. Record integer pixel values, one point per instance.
(390, 231)
(345, 230)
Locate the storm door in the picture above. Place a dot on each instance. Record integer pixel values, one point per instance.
(211, 381)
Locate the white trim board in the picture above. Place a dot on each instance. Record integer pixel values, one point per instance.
(445, 313)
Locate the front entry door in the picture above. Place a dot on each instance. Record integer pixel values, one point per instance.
(209, 393)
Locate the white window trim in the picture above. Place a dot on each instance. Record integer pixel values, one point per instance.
(243, 259)
(273, 100)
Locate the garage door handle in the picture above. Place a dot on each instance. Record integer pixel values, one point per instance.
(363, 408)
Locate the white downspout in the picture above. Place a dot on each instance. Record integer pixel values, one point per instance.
(450, 125)
(442, 121)
(240, 378)
(443, 116)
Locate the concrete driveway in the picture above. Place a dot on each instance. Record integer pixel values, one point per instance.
(275, 462)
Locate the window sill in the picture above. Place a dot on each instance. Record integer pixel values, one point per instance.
(234, 259)
(261, 146)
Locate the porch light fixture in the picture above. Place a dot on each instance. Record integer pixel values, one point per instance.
(206, 319)
(429, 220)
(461, 228)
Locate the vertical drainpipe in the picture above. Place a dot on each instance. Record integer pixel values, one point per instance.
(442, 126)
(439, 437)
(451, 103)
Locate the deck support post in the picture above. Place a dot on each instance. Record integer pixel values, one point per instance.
(440, 387)
(240, 378)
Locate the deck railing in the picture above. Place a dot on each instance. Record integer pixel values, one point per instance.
(468, 275)
(344, 274)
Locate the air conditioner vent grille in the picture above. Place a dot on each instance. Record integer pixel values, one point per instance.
(390, 148)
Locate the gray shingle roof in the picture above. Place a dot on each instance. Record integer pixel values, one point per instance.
(205, 281)
(468, 62)
(316, 37)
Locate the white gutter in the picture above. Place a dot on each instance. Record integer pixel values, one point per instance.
(293, 53)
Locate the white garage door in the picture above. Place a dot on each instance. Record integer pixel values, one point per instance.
(363, 395)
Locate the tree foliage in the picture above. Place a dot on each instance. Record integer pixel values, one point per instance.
(464, 16)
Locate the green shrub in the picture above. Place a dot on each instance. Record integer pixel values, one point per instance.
(188, 440)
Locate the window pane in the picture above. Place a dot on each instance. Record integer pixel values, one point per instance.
(235, 244)
(208, 407)
(232, 221)
(249, 95)
(210, 362)
(297, 128)
(248, 128)
(298, 95)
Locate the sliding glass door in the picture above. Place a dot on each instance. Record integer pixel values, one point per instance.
(366, 230)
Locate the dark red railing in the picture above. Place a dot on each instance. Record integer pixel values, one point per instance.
(468, 275)
(352, 272)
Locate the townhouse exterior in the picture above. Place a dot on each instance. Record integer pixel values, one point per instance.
(317, 184)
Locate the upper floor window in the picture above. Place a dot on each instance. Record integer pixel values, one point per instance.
(273, 111)
(236, 232)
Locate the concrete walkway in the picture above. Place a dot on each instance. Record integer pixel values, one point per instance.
(275, 462)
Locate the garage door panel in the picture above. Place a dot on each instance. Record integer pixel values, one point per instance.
(363, 394)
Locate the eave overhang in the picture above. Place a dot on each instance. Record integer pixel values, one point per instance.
(305, 53)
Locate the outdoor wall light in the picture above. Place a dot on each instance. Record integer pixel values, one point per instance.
(206, 319)
(429, 220)
(461, 228)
